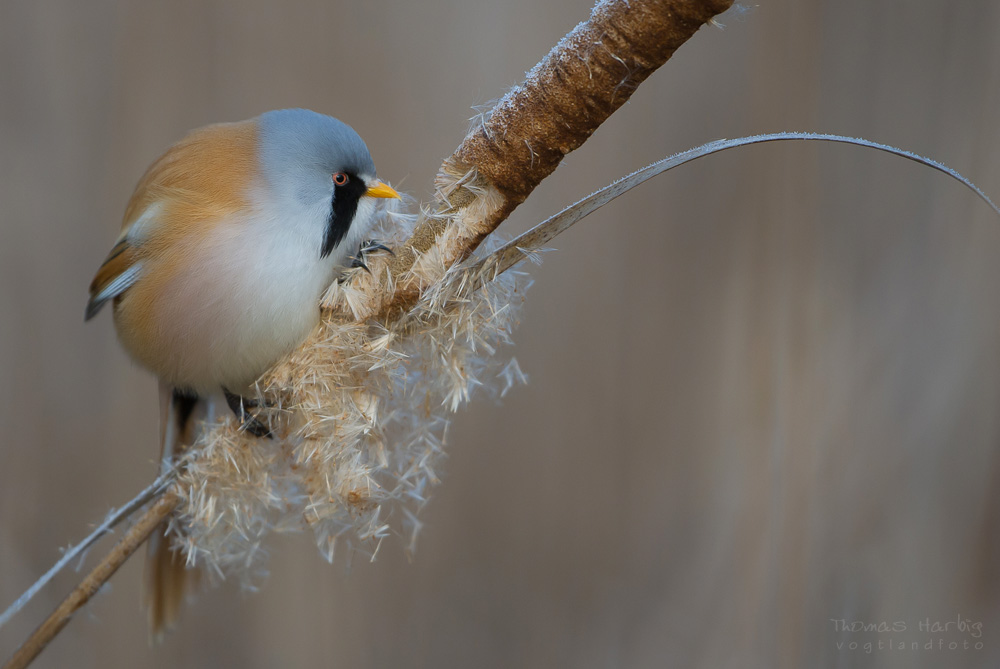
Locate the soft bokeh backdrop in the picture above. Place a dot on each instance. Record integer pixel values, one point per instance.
(764, 388)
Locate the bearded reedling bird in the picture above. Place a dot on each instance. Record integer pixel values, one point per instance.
(227, 245)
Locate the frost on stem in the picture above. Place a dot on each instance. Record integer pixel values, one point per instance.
(588, 75)
(360, 418)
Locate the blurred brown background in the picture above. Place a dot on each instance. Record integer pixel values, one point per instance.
(764, 390)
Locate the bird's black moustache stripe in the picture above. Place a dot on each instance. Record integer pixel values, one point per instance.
(344, 206)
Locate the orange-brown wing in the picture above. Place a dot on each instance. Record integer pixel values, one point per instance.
(201, 178)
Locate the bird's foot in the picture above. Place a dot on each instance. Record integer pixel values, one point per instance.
(248, 422)
(369, 246)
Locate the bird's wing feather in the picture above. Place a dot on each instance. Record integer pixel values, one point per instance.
(120, 270)
(202, 178)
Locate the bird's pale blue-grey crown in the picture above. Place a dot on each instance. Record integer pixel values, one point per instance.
(301, 149)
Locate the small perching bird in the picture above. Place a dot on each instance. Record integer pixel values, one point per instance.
(227, 244)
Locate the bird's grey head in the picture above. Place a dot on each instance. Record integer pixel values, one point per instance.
(302, 154)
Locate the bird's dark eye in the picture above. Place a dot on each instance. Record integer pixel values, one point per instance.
(340, 179)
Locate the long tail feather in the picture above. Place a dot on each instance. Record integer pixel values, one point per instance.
(168, 578)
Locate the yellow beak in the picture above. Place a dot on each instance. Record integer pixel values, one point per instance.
(381, 190)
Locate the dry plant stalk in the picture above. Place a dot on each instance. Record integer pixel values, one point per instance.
(97, 577)
(359, 405)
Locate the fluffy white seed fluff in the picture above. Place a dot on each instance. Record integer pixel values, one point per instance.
(360, 423)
